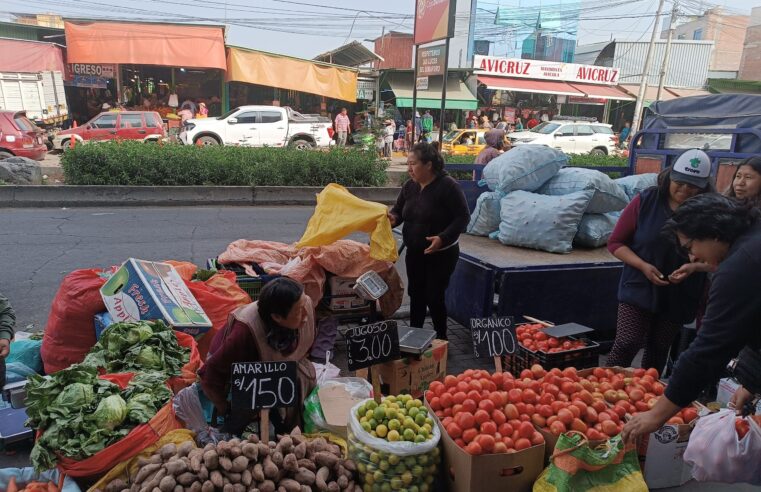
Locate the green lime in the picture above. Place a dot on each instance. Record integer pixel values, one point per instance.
(390, 413)
(419, 438)
(409, 435)
(423, 459)
(394, 424)
(420, 419)
(361, 410)
(371, 405)
(424, 433)
(429, 421)
(369, 480)
(407, 478)
(384, 466)
(367, 488)
(373, 423)
(425, 487)
(361, 467)
(417, 470)
(396, 483)
(410, 461)
(393, 435)
(378, 476)
(385, 487)
(412, 412)
(366, 426)
(413, 488)
(393, 459)
(380, 413)
(381, 430)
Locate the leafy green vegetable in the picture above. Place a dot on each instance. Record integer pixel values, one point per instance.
(111, 412)
(75, 395)
(138, 346)
(141, 408)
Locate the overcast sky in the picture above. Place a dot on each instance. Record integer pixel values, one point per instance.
(305, 28)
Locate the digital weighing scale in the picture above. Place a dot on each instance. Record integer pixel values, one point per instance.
(415, 340)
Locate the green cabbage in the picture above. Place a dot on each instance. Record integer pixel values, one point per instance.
(75, 395)
(149, 358)
(111, 412)
(141, 408)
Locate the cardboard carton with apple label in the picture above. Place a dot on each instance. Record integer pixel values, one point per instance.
(148, 290)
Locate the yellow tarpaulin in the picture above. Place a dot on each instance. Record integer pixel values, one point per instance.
(257, 67)
(339, 213)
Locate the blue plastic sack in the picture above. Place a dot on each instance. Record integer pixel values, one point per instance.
(595, 229)
(26, 475)
(26, 352)
(607, 196)
(16, 372)
(547, 223)
(485, 217)
(636, 183)
(525, 167)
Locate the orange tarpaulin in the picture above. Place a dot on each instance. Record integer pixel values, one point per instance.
(257, 67)
(29, 56)
(171, 45)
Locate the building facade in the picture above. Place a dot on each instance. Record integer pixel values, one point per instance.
(750, 62)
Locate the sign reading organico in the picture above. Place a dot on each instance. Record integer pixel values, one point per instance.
(434, 20)
(537, 69)
(430, 60)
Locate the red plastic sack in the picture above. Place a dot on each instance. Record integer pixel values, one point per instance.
(131, 445)
(69, 332)
(189, 372)
(219, 296)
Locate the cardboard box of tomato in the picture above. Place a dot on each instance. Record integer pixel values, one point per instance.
(488, 444)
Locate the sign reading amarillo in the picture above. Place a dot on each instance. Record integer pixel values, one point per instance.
(537, 69)
(434, 20)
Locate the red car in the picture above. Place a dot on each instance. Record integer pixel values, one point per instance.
(20, 137)
(123, 125)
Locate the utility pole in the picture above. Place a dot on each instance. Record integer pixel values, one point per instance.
(646, 71)
(667, 54)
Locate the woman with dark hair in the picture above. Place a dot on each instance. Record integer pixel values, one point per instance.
(659, 289)
(277, 327)
(720, 232)
(746, 184)
(434, 212)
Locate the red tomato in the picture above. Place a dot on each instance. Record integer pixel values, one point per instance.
(446, 400)
(742, 427)
(487, 405)
(578, 425)
(500, 447)
(469, 434)
(609, 428)
(689, 414)
(522, 443)
(469, 406)
(529, 396)
(454, 430)
(526, 430)
(565, 416)
(481, 416)
(506, 429)
(435, 403)
(465, 420)
(511, 412)
(515, 396)
(498, 416)
(537, 439)
(450, 381)
(474, 448)
(653, 373)
(557, 428)
(486, 442)
(463, 386)
(538, 420)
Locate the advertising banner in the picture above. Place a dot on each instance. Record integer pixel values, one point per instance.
(434, 20)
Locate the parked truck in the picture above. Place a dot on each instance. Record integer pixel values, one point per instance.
(259, 126)
(39, 95)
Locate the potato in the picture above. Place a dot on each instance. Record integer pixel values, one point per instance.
(264, 450)
(225, 463)
(290, 463)
(254, 438)
(216, 479)
(333, 487)
(185, 448)
(342, 482)
(167, 451)
(196, 460)
(194, 487)
(223, 448)
(317, 445)
(228, 488)
(176, 467)
(304, 476)
(267, 486)
(168, 483)
(308, 464)
(235, 451)
(333, 448)
(300, 450)
(187, 479)
(211, 460)
(233, 477)
(306, 488)
(285, 445)
(250, 451)
(258, 473)
(146, 470)
(290, 485)
(246, 478)
(277, 458)
(116, 485)
(321, 478)
(325, 459)
(209, 447)
(270, 468)
(178, 488)
(234, 441)
(239, 464)
(207, 486)
(349, 465)
(152, 460)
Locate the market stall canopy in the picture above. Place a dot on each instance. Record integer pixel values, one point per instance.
(651, 93)
(29, 56)
(172, 45)
(284, 72)
(458, 94)
(687, 92)
(603, 92)
(530, 85)
(353, 54)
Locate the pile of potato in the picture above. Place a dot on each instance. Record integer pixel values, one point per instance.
(293, 464)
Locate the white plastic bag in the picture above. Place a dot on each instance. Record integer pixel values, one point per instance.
(187, 408)
(314, 419)
(326, 371)
(717, 454)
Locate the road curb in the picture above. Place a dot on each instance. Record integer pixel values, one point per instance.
(17, 196)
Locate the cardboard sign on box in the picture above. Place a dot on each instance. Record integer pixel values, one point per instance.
(412, 375)
(148, 290)
(664, 457)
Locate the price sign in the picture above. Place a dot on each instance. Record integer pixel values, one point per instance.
(263, 385)
(493, 337)
(372, 344)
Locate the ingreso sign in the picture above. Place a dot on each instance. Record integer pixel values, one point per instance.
(105, 71)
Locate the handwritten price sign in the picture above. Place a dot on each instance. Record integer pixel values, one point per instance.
(262, 385)
(372, 344)
(493, 337)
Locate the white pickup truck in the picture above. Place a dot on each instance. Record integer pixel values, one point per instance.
(259, 126)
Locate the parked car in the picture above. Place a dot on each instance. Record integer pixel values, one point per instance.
(123, 125)
(259, 126)
(456, 141)
(20, 137)
(570, 136)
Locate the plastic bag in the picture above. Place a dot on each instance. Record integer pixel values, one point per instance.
(314, 419)
(188, 408)
(547, 223)
(525, 167)
(16, 372)
(26, 352)
(576, 466)
(69, 332)
(607, 197)
(400, 464)
(485, 217)
(26, 475)
(326, 371)
(636, 183)
(595, 229)
(339, 213)
(717, 453)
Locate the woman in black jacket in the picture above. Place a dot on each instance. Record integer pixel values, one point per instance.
(434, 211)
(723, 233)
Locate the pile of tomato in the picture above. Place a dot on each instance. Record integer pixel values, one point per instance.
(742, 425)
(533, 338)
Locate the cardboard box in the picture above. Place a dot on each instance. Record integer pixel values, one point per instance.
(342, 296)
(515, 472)
(663, 452)
(148, 290)
(726, 388)
(412, 375)
(336, 405)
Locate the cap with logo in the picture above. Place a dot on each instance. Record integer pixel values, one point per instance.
(692, 167)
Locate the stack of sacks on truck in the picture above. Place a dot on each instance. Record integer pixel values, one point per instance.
(536, 202)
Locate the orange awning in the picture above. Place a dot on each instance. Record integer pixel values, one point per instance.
(29, 56)
(171, 45)
(284, 72)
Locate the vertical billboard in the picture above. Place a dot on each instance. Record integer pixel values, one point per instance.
(434, 20)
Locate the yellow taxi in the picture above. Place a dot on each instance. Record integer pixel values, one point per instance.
(468, 141)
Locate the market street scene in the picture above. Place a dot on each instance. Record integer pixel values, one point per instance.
(412, 245)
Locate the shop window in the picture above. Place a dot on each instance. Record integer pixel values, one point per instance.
(105, 122)
(584, 130)
(247, 117)
(131, 121)
(270, 116)
(697, 35)
(151, 121)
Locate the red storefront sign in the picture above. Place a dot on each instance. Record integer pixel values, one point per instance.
(545, 70)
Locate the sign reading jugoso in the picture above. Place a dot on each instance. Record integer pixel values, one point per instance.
(372, 344)
(258, 385)
(493, 337)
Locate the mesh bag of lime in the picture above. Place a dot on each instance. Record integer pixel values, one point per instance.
(394, 444)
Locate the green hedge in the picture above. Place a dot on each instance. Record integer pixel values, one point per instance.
(140, 164)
